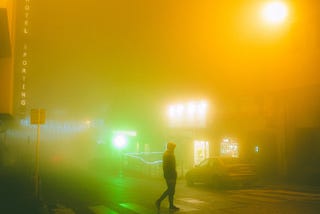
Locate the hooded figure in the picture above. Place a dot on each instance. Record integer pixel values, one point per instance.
(170, 175)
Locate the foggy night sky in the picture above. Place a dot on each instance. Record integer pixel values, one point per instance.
(126, 60)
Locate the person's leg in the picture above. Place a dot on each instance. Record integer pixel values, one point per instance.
(163, 196)
(171, 191)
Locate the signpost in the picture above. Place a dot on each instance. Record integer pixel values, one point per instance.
(37, 117)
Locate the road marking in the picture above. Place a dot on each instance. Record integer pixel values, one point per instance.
(102, 210)
(239, 198)
(184, 208)
(188, 201)
(291, 195)
(273, 196)
(191, 200)
(302, 195)
(60, 209)
(144, 210)
(137, 208)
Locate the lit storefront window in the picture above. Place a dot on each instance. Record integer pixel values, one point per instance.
(229, 147)
(201, 151)
(257, 149)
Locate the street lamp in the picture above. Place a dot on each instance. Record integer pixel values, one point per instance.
(120, 141)
(274, 12)
(121, 138)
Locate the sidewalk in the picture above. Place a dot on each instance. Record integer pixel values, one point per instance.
(17, 193)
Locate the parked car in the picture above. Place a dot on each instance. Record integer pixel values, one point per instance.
(222, 171)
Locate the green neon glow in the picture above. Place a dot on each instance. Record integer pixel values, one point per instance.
(134, 207)
(138, 156)
(120, 141)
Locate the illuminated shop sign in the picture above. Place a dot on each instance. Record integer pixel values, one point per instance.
(25, 59)
(229, 147)
(190, 114)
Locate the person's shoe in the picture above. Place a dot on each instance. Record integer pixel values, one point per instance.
(157, 203)
(174, 208)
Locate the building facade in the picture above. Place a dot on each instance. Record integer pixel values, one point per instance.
(7, 26)
(280, 131)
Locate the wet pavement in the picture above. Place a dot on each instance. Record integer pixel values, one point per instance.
(66, 191)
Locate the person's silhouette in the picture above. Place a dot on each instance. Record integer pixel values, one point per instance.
(170, 175)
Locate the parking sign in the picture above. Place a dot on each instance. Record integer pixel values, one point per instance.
(38, 116)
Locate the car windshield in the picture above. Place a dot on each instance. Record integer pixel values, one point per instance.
(203, 163)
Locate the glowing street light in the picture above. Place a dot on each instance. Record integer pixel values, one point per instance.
(120, 141)
(274, 12)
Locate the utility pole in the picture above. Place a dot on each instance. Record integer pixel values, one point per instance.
(38, 117)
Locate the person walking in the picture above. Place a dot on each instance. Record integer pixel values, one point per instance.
(170, 175)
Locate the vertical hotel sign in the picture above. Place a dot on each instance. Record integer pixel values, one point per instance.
(23, 57)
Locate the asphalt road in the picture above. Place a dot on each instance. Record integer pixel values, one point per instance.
(103, 191)
(109, 191)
